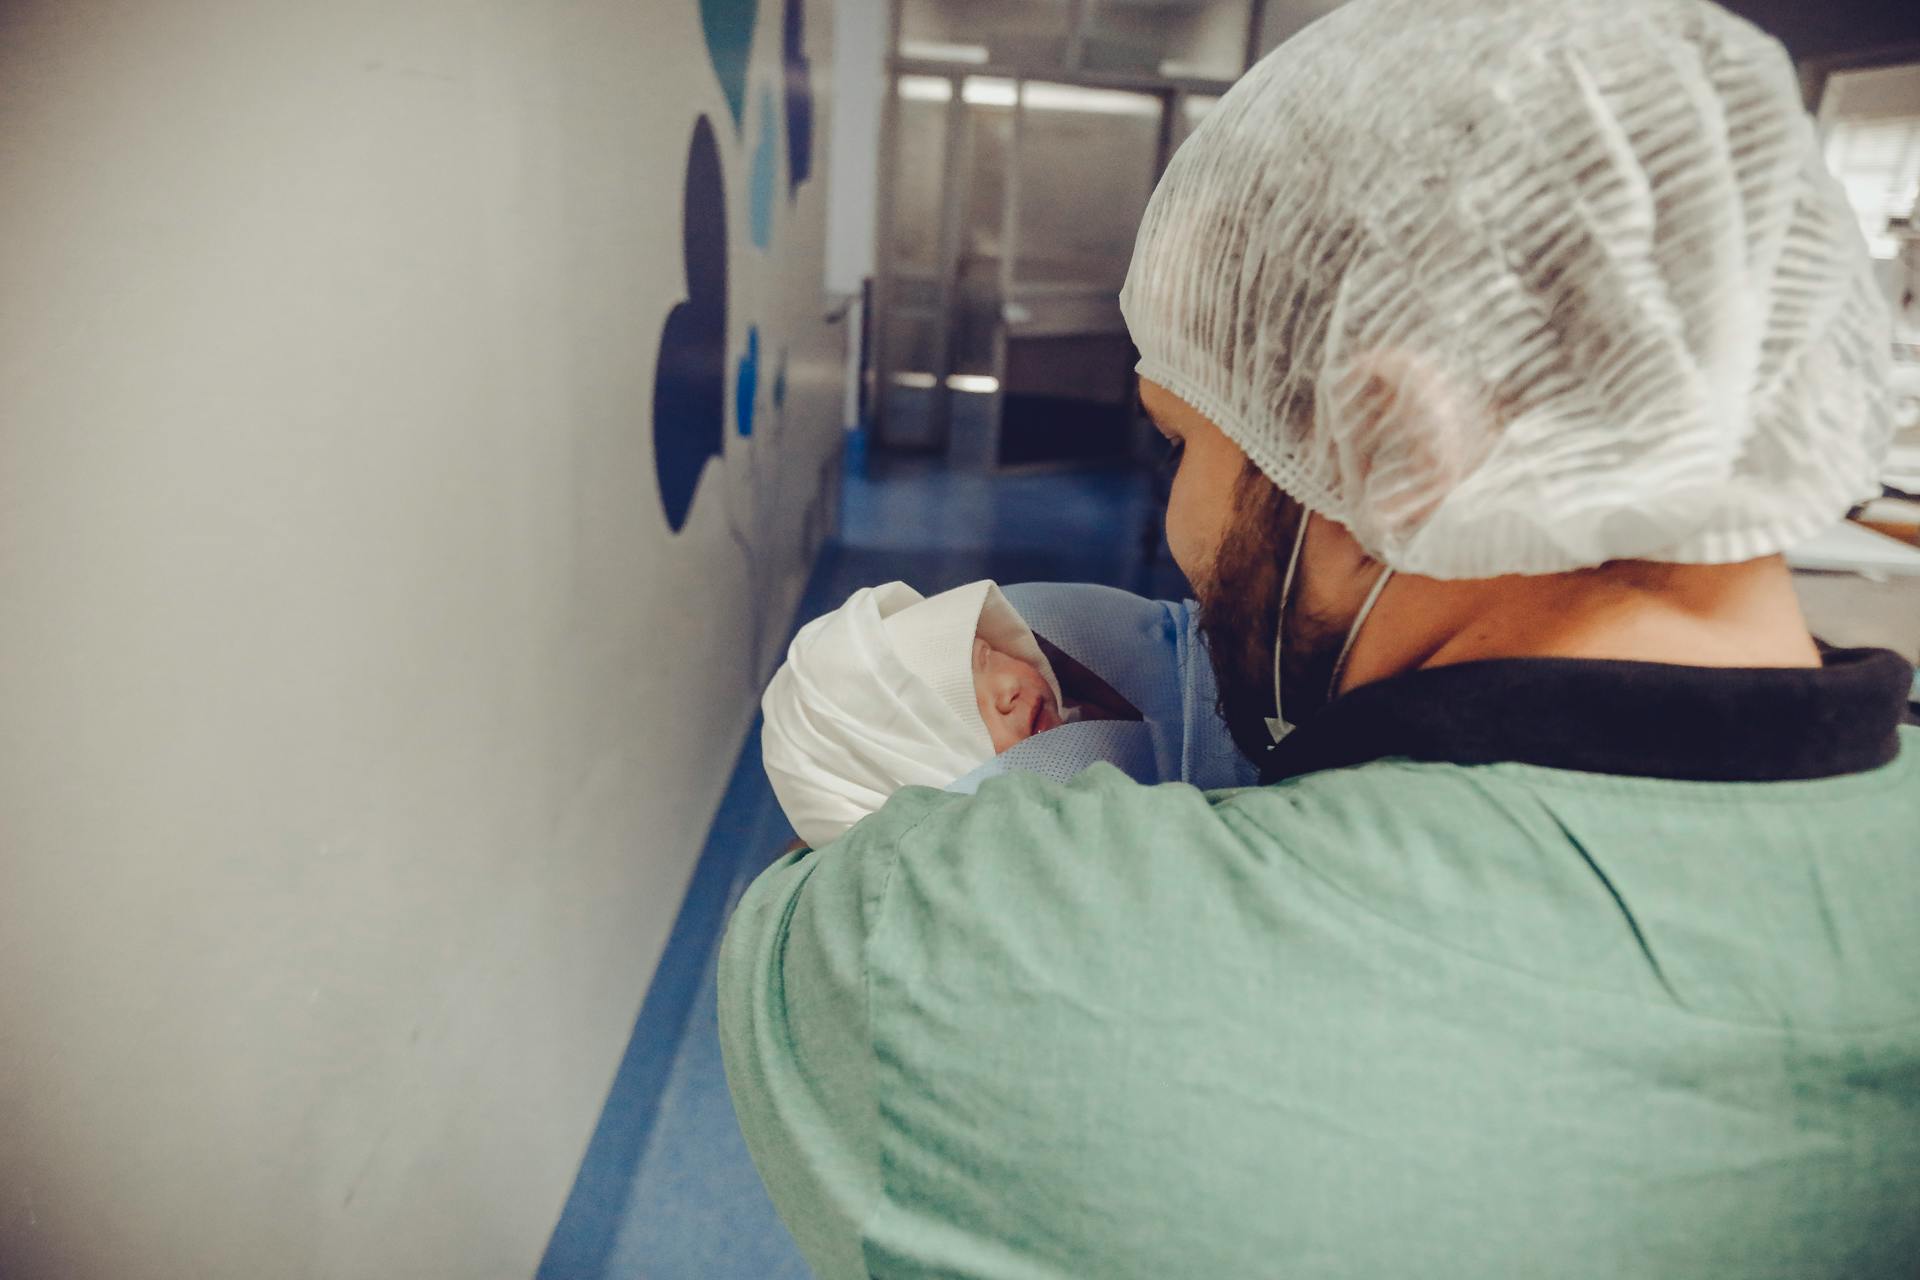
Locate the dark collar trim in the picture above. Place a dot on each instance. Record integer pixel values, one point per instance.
(1641, 719)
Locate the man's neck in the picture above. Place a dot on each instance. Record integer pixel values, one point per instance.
(1740, 615)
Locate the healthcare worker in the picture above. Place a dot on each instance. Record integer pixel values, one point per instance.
(1572, 930)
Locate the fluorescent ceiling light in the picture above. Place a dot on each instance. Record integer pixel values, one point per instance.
(1112, 102)
(926, 89)
(995, 91)
(988, 91)
(978, 383)
(983, 383)
(941, 51)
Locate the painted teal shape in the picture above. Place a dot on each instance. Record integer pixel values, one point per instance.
(746, 384)
(729, 28)
(760, 181)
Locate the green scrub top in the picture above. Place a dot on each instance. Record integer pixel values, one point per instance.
(1414, 1019)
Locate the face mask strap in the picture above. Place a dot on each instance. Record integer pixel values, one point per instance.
(1277, 726)
(1340, 664)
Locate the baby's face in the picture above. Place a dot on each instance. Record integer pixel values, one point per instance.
(1014, 698)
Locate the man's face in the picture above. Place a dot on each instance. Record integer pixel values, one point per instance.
(1230, 531)
(1015, 701)
(1198, 511)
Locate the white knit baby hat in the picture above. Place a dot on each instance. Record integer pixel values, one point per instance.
(878, 695)
(1524, 286)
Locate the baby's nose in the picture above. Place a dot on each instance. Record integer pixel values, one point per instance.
(1007, 695)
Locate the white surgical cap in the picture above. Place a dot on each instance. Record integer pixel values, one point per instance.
(879, 695)
(1524, 286)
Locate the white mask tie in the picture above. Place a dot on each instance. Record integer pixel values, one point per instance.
(1277, 725)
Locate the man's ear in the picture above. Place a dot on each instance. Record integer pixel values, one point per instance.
(1406, 434)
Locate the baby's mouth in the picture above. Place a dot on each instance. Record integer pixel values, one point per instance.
(1041, 707)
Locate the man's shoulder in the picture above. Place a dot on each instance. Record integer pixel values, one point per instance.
(1101, 808)
(1098, 859)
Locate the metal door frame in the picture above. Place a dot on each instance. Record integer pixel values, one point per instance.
(1172, 93)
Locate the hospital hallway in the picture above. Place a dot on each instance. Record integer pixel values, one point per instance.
(425, 425)
(666, 1188)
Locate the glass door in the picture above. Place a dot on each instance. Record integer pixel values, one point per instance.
(1010, 220)
(910, 338)
(939, 354)
(1066, 390)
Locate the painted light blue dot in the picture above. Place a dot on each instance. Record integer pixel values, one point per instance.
(760, 182)
(746, 387)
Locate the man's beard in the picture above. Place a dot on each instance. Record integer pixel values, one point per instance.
(1239, 606)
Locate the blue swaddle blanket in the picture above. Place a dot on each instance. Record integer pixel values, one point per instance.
(1149, 652)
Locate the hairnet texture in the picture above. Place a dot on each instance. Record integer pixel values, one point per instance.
(1524, 286)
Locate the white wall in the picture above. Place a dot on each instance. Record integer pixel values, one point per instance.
(859, 94)
(362, 717)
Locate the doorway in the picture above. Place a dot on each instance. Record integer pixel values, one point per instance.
(1015, 174)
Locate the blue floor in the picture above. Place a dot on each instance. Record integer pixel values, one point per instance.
(666, 1191)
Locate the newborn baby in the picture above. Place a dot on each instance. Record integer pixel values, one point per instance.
(893, 689)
